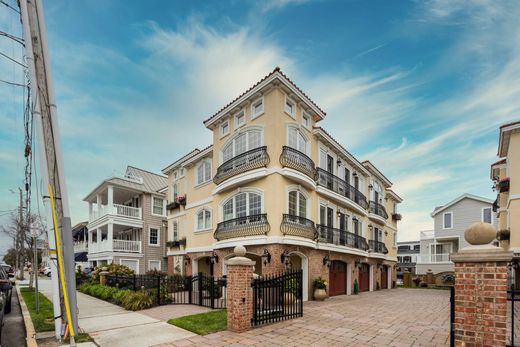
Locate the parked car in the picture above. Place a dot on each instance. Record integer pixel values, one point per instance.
(7, 288)
(46, 270)
(10, 272)
(3, 302)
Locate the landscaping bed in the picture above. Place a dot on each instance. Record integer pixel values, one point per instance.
(202, 323)
(128, 299)
(44, 320)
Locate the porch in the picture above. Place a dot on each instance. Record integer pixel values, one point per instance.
(115, 238)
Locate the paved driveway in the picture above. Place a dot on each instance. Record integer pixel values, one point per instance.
(395, 317)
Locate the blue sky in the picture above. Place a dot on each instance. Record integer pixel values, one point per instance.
(417, 87)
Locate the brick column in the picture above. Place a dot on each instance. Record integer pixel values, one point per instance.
(239, 293)
(481, 295)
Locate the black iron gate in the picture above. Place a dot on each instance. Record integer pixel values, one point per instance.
(512, 309)
(201, 289)
(452, 316)
(277, 297)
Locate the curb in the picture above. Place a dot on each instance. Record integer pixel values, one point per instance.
(29, 327)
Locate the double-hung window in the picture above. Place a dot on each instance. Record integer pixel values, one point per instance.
(257, 108)
(204, 172)
(290, 107)
(175, 231)
(157, 206)
(153, 237)
(447, 220)
(297, 204)
(203, 220)
(487, 216)
(240, 119)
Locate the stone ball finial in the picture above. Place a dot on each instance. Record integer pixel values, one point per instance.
(239, 251)
(480, 233)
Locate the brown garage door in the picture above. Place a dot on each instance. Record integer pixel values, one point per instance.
(364, 277)
(337, 278)
(384, 277)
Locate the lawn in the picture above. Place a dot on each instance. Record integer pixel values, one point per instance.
(202, 323)
(42, 321)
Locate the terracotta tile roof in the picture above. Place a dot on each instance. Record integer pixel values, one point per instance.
(509, 124)
(181, 159)
(377, 170)
(276, 70)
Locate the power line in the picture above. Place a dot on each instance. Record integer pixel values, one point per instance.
(9, 6)
(14, 83)
(12, 37)
(13, 60)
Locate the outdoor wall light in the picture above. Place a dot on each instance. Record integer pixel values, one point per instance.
(354, 174)
(370, 226)
(213, 258)
(338, 213)
(266, 256)
(370, 186)
(386, 233)
(285, 257)
(187, 260)
(338, 162)
(357, 262)
(326, 261)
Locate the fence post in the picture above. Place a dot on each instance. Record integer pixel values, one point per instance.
(240, 294)
(201, 287)
(133, 282)
(212, 294)
(190, 289)
(158, 290)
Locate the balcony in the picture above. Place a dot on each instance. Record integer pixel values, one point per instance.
(341, 237)
(116, 210)
(250, 160)
(377, 246)
(178, 202)
(337, 185)
(80, 246)
(116, 245)
(253, 225)
(176, 243)
(396, 217)
(377, 209)
(298, 161)
(298, 226)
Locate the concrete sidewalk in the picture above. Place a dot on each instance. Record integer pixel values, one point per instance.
(111, 325)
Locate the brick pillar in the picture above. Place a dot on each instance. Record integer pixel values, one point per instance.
(239, 293)
(481, 295)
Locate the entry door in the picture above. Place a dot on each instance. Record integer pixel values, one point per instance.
(384, 277)
(337, 278)
(364, 278)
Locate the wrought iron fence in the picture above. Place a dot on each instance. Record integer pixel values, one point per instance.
(252, 159)
(277, 297)
(377, 246)
(341, 237)
(298, 226)
(297, 160)
(513, 312)
(377, 208)
(337, 185)
(252, 225)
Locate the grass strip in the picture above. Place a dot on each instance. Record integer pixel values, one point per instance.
(202, 323)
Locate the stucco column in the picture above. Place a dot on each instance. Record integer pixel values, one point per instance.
(371, 278)
(239, 293)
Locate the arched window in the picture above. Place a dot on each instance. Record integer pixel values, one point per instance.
(296, 139)
(241, 205)
(241, 143)
(203, 219)
(204, 172)
(297, 204)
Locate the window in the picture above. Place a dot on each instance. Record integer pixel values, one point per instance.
(306, 119)
(403, 248)
(244, 142)
(290, 106)
(175, 231)
(203, 220)
(175, 191)
(417, 247)
(257, 108)
(407, 259)
(447, 220)
(153, 237)
(357, 226)
(224, 129)
(296, 140)
(399, 259)
(204, 172)
(157, 206)
(154, 265)
(240, 119)
(241, 205)
(182, 172)
(297, 204)
(486, 215)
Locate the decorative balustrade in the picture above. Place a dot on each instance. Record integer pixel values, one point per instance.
(116, 245)
(80, 246)
(250, 160)
(340, 237)
(297, 160)
(117, 210)
(377, 246)
(337, 185)
(298, 226)
(377, 208)
(243, 226)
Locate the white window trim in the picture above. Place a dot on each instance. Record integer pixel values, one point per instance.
(293, 114)
(236, 192)
(298, 128)
(127, 259)
(299, 189)
(221, 134)
(243, 113)
(482, 214)
(202, 162)
(173, 231)
(160, 265)
(443, 220)
(238, 133)
(253, 115)
(164, 206)
(158, 236)
(306, 114)
(205, 208)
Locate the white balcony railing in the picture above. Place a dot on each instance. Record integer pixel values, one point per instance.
(80, 246)
(117, 210)
(434, 258)
(115, 246)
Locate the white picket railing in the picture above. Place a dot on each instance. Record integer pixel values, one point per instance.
(115, 246)
(118, 210)
(434, 258)
(80, 246)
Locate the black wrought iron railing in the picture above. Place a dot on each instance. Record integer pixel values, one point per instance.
(377, 246)
(298, 226)
(243, 226)
(377, 208)
(252, 159)
(297, 160)
(341, 237)
(337, 185)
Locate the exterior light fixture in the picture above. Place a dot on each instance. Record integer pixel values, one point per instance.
(370, 186)
(285, 257)
(338, 213)
(354, 174)
(326, 261)
(370, 226)
(213, 258)
(266, 256)
(187, 260)
(338, 162)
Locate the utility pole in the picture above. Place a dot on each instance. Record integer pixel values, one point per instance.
(52, 171)
(20, 238)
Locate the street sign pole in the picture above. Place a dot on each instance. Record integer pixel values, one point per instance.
(35, 233)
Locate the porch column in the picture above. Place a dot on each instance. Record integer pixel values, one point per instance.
(99, 204)
(98, 235)
(110, 197)
(371, 277)
(110, 235)
(349, 278)
(90, 210)
(89, 238)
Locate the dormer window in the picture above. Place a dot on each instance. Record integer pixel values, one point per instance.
(290, 107)
(257, 108)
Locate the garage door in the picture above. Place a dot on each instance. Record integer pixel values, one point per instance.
(364, 278)
(338, 278)
(384, 277)
(132, 264)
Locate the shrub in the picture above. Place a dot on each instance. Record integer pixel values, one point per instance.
(119, 295)
(417, 280)
(356, 287)
(115, 269)
(156, 272)
(423, 285)
(319, 283)
(138, 300)
(81, 277)
(291, 286)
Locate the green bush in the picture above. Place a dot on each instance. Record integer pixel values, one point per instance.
(119, 295)
(81, 277)
(115, 269)
(291, 286)
(356, 287)
(319, 283)
(156, 272)
(138, 300)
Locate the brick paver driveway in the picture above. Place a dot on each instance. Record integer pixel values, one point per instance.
(395, 317)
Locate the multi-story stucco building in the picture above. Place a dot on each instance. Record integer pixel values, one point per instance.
(449, 222)
(275, 182)
(127, 221)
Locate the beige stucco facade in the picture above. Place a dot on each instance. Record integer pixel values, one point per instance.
(278, 182)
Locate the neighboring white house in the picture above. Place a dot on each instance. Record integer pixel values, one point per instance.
(450, 221)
